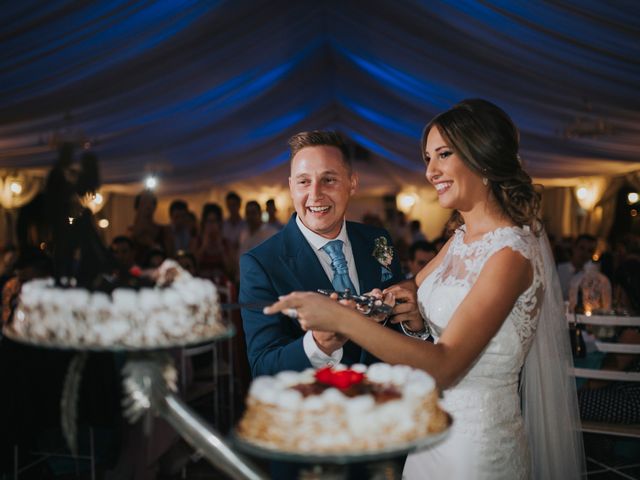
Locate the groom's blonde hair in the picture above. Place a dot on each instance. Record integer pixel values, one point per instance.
(318, 138)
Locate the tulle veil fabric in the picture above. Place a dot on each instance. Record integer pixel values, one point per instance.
(548, 391)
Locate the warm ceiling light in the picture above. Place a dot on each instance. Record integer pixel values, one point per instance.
(582, 193)
(151, 182)
(406, 201)
(633, 197)
(16, 188)
(103, 223)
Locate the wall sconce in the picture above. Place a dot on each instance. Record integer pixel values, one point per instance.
(17, 189)
(589, 193)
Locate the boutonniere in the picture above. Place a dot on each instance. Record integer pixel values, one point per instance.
(383, 253)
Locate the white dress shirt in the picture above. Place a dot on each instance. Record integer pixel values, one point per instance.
(316, 356)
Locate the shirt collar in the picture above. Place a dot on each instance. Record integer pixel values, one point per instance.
(318, 241)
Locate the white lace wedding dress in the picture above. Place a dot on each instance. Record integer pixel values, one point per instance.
(487, 438)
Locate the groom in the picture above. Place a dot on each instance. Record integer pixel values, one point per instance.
(316, 249)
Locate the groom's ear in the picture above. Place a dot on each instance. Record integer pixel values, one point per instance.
(354, 183)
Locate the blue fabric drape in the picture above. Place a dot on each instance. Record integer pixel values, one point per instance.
(213, 89)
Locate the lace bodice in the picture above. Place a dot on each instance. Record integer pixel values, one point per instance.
(485, 402)
(462, 265)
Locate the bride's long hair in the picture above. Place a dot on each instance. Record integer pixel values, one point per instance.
(486, 140)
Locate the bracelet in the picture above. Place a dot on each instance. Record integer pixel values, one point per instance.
(422, 334)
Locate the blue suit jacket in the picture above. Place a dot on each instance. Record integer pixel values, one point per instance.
(285, 263)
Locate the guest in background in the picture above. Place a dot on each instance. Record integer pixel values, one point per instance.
(583, 249)
(255, 231)
(618, 402)
(145, 233)
(31, 263)
(420, 253)
(209, 247)
(373, 220)
(180, 226)
(439, 242)
(415, 231)
(154, 258)
(193, 224)
(231, 229)
(273, 219)
(123, 251)
(187, 261)
(234, 224)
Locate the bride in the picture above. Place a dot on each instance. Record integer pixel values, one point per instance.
(490, 300)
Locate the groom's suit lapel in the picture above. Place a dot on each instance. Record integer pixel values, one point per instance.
(302, 261)
(307, 273)
(368, 272)
(367, 266)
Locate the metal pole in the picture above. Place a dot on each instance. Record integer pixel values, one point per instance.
(206, 440)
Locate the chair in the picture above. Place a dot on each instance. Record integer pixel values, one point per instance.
(56, 451)
(606, 428)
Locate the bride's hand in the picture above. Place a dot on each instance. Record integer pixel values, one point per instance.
(387, 298)
(313, 311)
(406, 306)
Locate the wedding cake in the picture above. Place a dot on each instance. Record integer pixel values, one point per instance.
(340, 410)
(178, 309)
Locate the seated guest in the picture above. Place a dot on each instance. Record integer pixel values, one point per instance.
(582, 251)
(187, 261)
(154, 258)
(618, 402)
(123, 251)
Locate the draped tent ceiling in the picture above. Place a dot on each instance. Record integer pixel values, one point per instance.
(207, 93)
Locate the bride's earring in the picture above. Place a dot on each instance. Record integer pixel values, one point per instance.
(485, 181)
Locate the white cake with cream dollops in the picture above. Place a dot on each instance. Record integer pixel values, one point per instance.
(179, 309)
(342, 410)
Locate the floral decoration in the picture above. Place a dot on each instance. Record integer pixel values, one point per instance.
(383, 253)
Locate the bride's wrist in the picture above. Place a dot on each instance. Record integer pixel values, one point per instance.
(420, 332)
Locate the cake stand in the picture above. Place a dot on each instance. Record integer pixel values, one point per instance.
(378, 464)
(150, 389)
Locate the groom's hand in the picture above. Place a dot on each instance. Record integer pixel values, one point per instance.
(328, 342)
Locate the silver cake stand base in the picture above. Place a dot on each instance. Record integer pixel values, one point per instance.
(149, 383)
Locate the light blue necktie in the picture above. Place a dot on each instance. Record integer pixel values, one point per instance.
(341, 280)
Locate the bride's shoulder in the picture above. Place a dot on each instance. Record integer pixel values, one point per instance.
(519, 239)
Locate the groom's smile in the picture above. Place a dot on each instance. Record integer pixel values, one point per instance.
(321, 184)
